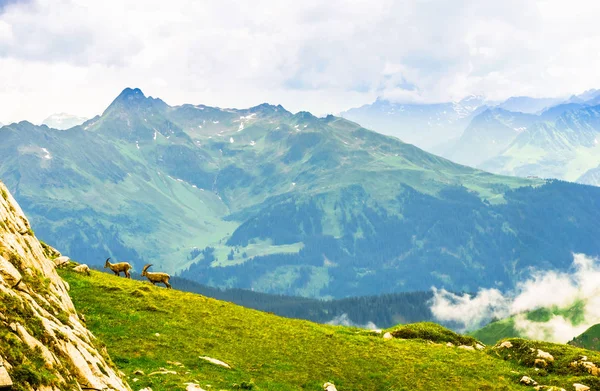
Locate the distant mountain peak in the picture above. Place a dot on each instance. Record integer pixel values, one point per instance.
(267, 108)
(134, 97)
(131, 93)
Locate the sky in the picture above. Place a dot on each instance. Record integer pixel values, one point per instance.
(76, 56)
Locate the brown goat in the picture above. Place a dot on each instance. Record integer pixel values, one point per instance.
(155, 277)
(117, 268)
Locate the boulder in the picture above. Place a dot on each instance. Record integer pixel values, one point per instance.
(9, 273)
(545, 355)
(526, 380)
(479, 346)
(61, 261)
(329, 387)
(387, 336)
(581, 387)
(506, 345)
(589, 366)
(83, 269)
(449, 344)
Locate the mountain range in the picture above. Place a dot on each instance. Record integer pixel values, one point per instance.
(427, 126)
(522, 136)
(565, 148)
(265, 199)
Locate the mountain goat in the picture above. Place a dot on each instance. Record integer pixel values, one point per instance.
(117, 268)
(156, 277)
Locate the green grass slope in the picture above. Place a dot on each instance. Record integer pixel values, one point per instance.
(147, 328)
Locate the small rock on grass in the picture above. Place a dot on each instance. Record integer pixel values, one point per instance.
(216, 362)
(545, 355)
(162, 371)
(506, 345)
(193, 387)
(329, 387)
(526, 380)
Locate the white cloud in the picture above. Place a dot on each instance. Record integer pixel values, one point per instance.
(76, 55)
(544, 289)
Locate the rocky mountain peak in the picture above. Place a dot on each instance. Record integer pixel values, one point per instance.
(134, 98)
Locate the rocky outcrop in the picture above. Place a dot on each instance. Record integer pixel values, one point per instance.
(588, 366)
(44, 344)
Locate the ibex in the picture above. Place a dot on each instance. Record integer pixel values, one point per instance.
(155, 277)
(117, 268)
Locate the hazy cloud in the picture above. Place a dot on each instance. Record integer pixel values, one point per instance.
(544, 289)
(76, 55)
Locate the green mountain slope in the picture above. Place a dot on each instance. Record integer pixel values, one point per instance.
(590, 339)
(488, 134)
(286, 203)
(147, 328)
(534, 322)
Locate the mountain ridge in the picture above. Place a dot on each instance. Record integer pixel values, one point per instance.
(286, 203)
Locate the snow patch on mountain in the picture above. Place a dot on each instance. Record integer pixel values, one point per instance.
(47, 154)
